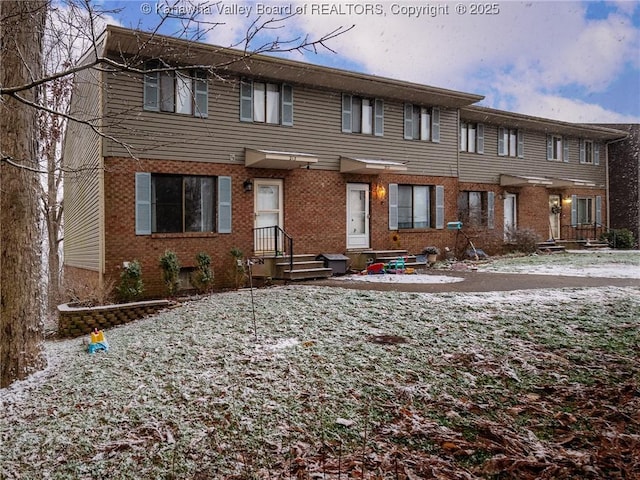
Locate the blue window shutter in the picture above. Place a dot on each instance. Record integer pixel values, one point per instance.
(151, 99)
(287, 105)
(549, 147)
(224, 204)
(574, 210)
(378, 108)
(480, 139)
(440, 206)
(598, 210)
(408, 121)
(520, 151)
(501, 149)
(143, 203)
(582, 152)
(393, 206)
(565, 150)
(346, 113)
(435, 125)
(491, 203)
(201, 93)
(596, 154)
(246, 101)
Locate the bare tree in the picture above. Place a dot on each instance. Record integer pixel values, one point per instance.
(34, 105)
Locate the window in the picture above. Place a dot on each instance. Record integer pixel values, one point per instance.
(264, 102)
(179, 203)
(183, 92)
(586, 210)
(557, 148)
(416, 206)
(589, 152)
(510, 142)
(476, 208)
(362, 115)
(421, 123)
(472, 137)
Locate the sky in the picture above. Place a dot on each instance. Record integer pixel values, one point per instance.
(571, 61)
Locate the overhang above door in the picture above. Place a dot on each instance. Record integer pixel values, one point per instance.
(278, 160)
(369, 166)
(548, 182)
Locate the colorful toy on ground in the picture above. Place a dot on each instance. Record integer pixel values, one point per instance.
(396, 266)
(98, 342)
(375, 269)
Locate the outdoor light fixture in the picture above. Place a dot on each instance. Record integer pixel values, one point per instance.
(379, 192)
(248, 185)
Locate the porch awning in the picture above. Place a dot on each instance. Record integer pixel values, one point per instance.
(369, 166)
(279, 160)
(523, 181)
(573, 182)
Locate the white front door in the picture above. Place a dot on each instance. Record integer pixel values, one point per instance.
(510, 215)
(554, 216)
(267, 213)
(357, 215)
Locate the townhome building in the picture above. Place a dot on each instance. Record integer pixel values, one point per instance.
(197, 148)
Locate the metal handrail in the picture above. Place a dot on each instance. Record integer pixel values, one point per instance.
(587, 231)
(273, 239)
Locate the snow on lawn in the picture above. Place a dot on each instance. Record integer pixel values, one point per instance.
(316, 379)
(578, 263)
(394, 278)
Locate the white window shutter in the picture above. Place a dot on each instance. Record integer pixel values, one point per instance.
(393, 206)
(346, 113)
(549, 147)
(378, 107)
(598, 210)
(246, 101)
(520, 151)
(287, 105)
(582, 151)
(565, 150)
(435, 125)
(143, 203)
(491, 197)
(408, 121)
(151, 100)
(501, 146)
(439, 206)
(574, 210)
(201, 93)
(224, 204)
(596, 154)
(480, 139)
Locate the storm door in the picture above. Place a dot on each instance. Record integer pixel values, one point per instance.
(268, 214)
(554, 216)
(357, 215)
(510, 215)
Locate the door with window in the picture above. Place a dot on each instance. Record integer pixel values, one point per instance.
(554, 216)
(268, 213)
(357, 215)
(510, 215)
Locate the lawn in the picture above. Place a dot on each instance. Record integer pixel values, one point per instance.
(319, 382)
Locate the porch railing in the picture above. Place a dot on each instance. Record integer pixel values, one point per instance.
(273, 240)
(583, 232)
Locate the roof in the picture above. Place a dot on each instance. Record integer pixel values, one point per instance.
(517, 120)
(140, 45)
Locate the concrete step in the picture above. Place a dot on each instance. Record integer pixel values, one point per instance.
(551, 247)
(306, 273)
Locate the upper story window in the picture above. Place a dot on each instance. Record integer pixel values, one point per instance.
(589, 152)
(421, 123)
(176, 91)
(182, 203)
(510, 142)
(471, 137)
(416, 206)
(557, 148)
(264, 102)
(362, 115)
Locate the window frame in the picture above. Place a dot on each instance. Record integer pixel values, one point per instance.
(557, 148)
(351, 120)
(510, 142)
(471, 142)
(426, 123)
(162, 88)
(435, 204)
(485, 212)
(249, 102)
(589, 152)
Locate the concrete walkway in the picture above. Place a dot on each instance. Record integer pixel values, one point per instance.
(483, 282)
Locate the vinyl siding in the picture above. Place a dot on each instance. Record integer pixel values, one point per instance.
(487, 168)
(82, 185)
(316, 130)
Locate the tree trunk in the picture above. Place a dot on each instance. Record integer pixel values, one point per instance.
(21, 292)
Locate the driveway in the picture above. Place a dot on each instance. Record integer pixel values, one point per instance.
(475, 281)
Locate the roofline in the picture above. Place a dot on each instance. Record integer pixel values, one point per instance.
(518, 120)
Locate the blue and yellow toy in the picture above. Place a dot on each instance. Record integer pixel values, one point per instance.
(98, 342)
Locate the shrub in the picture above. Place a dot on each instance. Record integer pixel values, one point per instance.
(236, 275)
(130, 286)
(202, 278)
(523, 240)
(170, 271)
(622, 238)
